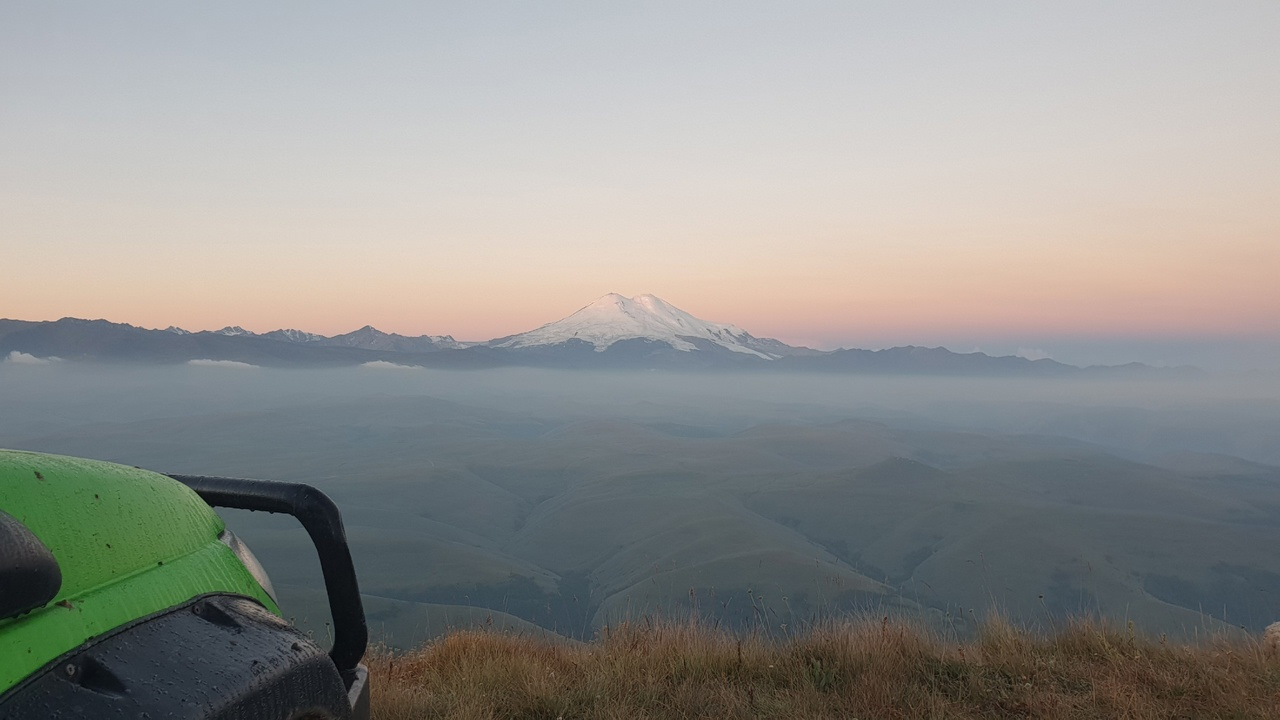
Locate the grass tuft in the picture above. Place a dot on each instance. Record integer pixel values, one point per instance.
(874, 668)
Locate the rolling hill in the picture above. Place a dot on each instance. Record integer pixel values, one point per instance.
(572, 520)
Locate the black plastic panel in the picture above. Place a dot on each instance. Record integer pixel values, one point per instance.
(29, 574)
(219, 657)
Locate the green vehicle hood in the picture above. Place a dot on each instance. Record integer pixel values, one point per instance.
(129, 543)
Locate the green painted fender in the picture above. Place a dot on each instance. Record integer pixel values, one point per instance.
(129, 543)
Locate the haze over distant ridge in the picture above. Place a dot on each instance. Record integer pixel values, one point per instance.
(643, 332)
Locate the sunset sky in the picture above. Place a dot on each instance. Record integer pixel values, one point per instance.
(1097, 182)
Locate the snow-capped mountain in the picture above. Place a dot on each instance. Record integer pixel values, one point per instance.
(291, 335)
(615, 318)
(612, 333)
(177, 330)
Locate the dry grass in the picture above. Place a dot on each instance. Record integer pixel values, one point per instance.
(872, 669)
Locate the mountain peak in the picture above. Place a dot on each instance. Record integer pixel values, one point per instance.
(371, 338)
(614, 317)
(294, 335)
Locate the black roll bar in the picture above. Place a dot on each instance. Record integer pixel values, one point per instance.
(322, 521)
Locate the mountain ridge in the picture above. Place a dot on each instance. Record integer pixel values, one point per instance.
(612, 332)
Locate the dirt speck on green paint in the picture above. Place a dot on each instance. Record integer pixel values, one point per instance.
(38, 475)
(66, 604)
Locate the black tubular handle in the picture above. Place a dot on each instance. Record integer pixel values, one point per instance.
(322, 521)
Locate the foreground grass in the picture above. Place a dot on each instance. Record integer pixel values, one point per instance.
(874, 669)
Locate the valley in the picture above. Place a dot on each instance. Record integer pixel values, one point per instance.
(561, 502)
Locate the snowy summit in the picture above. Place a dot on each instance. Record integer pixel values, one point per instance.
(614, 317)
(295, 336)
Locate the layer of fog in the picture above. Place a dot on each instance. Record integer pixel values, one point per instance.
(426, 464)
(1145, 419)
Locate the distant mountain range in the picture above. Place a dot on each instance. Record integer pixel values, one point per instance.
(644, 332)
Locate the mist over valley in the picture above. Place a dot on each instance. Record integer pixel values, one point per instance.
(565, 500)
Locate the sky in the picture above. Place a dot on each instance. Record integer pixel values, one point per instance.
(1090, 181)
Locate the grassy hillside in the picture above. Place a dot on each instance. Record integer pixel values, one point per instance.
(869, 669)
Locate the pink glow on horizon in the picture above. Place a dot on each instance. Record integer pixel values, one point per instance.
(940, 315)
(841, 175)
